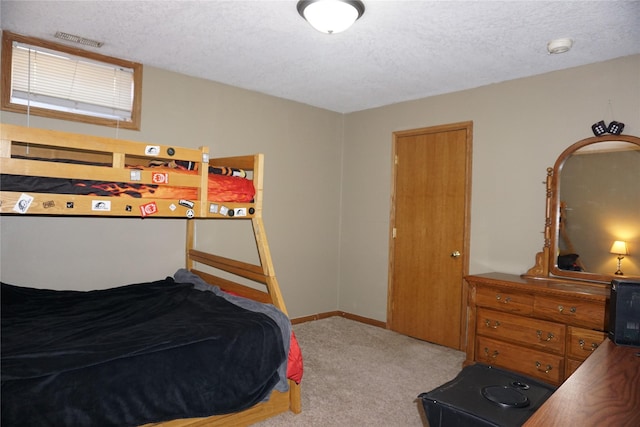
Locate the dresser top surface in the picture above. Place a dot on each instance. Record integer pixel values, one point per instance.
(555, 286)
(603, 391)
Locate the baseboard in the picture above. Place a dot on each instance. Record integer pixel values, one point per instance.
(349, 316)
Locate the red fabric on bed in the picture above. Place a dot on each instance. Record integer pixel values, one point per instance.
(230, 189)
(221, 188)
(295, 366)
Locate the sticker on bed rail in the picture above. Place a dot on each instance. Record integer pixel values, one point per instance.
(23, 203)
(152, 150)
(240, 212)
(224, 210)
(172, 207)
(49, 204)
(213, 208)
(148, 209)
(190, 213)
(136, 175)
(160, 178)
(186, 203)
(101, 205)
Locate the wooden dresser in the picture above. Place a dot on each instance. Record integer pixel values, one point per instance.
(543, 328)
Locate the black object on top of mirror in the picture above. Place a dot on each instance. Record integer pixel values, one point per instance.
(599, 128)
(615, 128)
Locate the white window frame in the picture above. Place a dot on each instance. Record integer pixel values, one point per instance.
(114, 100)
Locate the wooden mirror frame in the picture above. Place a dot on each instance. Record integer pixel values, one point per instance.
(546, 264)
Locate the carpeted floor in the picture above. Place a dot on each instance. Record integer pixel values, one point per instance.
(362, 375)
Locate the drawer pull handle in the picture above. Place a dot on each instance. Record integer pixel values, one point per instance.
(487, 323)
(549, 335)
(593, 345)
(506, 300)
(571, 309)
(492, 355)
(546, 371)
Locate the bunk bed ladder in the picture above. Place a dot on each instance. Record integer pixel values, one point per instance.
(267, 265)
(263, 273)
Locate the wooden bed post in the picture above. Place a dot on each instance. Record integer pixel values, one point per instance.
(267, 264)
(190, 244)
(203, 190)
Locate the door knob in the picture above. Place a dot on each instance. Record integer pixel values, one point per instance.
(455, 254)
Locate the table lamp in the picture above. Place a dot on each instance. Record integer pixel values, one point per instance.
(619, 248)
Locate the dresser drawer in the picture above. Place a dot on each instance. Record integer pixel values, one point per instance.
(544, 366)
(570, 311)
(538, 334)
(583, 342)
(498, 299)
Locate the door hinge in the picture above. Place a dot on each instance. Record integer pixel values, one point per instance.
(394, 232)
(395, 160)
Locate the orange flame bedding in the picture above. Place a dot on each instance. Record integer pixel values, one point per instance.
(221, 188)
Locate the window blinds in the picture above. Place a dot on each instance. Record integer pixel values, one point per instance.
(65, 82)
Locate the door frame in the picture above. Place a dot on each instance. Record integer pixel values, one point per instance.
(468, 127)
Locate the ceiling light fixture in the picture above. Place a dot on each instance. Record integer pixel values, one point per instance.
(330, 16)
(557, 46)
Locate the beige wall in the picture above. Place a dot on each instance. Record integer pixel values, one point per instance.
(327, 202)
(520, 127)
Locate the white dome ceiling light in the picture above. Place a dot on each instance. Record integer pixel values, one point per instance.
(330, 16)
(557, 46)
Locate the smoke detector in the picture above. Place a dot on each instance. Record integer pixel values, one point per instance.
(557, 46)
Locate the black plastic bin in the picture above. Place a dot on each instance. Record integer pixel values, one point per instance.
(484, 396)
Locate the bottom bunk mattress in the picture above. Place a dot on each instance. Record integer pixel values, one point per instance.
(135, 354)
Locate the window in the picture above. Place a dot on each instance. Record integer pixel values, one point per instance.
(53, 80)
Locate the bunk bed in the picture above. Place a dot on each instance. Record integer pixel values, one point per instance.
(47, 172)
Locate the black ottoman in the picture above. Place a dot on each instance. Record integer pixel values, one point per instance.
(484, 396)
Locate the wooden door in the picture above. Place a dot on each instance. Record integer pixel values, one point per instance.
(429, 239)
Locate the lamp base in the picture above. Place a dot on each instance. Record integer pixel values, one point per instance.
(619, 272)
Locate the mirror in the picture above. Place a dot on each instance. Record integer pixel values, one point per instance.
(593, 200)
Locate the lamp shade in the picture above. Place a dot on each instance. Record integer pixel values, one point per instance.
(331, 16)
(619, 248)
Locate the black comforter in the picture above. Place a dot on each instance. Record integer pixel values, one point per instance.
(131, 355)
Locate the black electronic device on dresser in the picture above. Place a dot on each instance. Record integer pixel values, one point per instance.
(624, 322)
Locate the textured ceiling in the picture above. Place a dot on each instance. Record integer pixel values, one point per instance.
(398, 50)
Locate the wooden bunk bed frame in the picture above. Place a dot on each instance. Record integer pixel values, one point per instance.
(24, 141)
